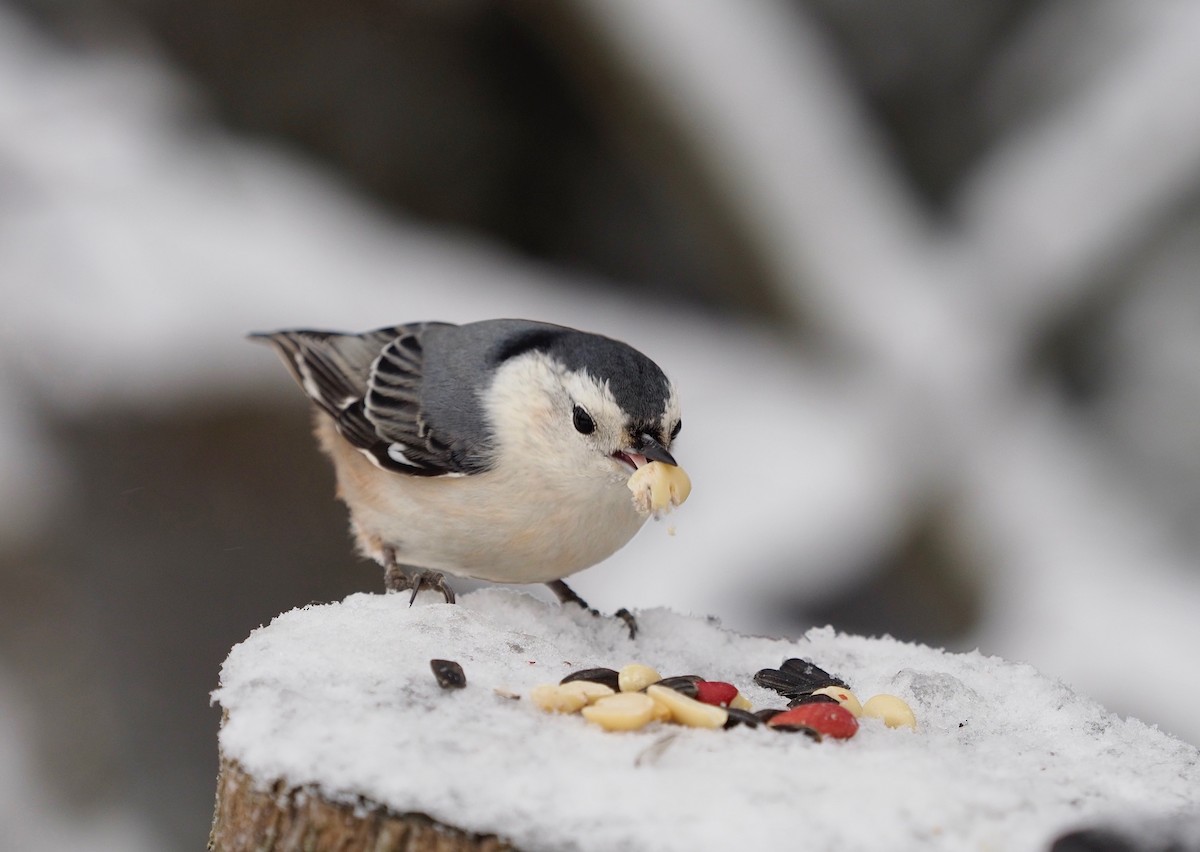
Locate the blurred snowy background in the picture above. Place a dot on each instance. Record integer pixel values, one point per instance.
(926, 273)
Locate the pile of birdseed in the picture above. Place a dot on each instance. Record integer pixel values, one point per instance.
(342, 697)
(820, 706)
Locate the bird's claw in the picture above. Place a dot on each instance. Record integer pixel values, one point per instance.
(626, 616)
(396, 579)
(566, 594)
(433, 580)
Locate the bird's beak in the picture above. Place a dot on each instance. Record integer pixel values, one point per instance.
(648, 446)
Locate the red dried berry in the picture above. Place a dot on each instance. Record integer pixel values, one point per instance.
(831, 720)
(716, 692)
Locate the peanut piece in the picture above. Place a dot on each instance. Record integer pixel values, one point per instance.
(688, 711)
(591, 692)
(844, 697)
(635, 677)
(555, 699)
(625, 711)
(658, 487)
(894, 712)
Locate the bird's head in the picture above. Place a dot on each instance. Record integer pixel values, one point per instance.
(583, 405)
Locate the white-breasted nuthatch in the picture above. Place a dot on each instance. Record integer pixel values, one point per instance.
(496, 450)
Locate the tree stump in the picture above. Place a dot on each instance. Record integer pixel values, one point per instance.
(339, 734)
(279, 819)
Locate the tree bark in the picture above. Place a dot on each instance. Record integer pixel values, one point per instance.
(279, 818)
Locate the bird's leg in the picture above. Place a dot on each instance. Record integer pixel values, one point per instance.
(430, 580)
(566, 595)
(394, 577)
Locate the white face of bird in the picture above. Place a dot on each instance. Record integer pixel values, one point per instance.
(568, 423)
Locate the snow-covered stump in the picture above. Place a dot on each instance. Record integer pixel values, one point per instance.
(337, 735)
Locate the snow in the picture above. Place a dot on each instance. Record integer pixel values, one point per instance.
(341, 697)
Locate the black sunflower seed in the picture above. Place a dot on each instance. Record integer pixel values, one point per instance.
(799, 729)
(808, 671)
(692, 678)
(797, 677)
(812, 699)
(778, 681)
(767, 713)
(683, 684)
(803, 668)
(741, 717)
(449, 674)
(608, 677)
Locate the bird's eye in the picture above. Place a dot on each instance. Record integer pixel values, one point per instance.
(675, 430)
(584, 423)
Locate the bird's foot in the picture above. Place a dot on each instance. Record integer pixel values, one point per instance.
(566, 595)
(630, 622)
(395, 580)
(430, 580)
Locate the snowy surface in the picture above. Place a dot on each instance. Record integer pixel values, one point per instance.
(341, 696)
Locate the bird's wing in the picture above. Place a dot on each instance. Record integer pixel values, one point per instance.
(370, 385)
(393, 406)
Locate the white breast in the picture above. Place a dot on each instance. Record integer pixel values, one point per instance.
(523, 524)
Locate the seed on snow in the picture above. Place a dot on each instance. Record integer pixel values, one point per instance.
(635, 677)
(894, 711)
(449, 674)
(741, 702)
(590, 690)
(813, 698)
(623, 711)
(738, 716)
(829, 720)
(811, 733)
(685, 684)
(796, 677)
(688, 711)
(554, 698)
(716, 692)
(608, 677)
(843, 696)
